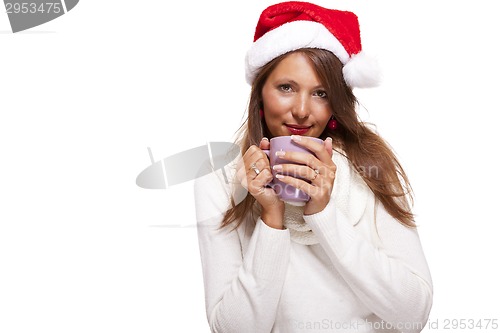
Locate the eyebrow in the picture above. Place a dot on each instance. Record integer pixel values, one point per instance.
(293, 82)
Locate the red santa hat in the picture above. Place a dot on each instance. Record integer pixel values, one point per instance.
(293, 25)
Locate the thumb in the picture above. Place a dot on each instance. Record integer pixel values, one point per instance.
(264, 143)
(329, 146)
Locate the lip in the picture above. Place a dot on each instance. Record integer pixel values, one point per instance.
(297, 129)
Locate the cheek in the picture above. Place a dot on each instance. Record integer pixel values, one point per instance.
(326, 117)
(275, 105)
(322, 113)
(322, 119)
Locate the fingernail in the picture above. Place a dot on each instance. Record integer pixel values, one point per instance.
(264, 138)
(296, 138)
(278, 167)
(279, 176)
(280, 153)
(329, 139)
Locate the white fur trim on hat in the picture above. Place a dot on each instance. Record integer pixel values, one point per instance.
(289, 37)
(359, 70)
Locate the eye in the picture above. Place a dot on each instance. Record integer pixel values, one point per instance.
(285, 87)
(320, 93)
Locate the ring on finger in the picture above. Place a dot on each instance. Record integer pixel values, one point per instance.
(255, 169)
(316, 173)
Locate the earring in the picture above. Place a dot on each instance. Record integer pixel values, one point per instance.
(332, 124)
(261, 114)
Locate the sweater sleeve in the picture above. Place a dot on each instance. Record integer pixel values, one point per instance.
(242, 289)
(392, 279)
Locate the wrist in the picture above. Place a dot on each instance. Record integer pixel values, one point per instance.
(273, 219)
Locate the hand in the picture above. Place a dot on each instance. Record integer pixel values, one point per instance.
(317, 173)
(254, 174)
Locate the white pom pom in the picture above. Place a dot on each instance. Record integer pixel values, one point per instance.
(361, 71)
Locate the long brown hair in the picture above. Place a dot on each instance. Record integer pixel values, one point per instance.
(370, 155)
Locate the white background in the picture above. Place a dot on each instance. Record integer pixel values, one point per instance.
(83, 249)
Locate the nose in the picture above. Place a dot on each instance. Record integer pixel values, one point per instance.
(301, 107)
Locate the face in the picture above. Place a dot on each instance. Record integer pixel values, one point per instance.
(294, 99)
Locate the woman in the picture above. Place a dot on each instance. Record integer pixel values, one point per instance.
(350, 259)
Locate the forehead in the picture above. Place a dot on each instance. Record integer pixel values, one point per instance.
(296, 66)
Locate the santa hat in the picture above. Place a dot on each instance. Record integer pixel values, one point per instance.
(293, 25)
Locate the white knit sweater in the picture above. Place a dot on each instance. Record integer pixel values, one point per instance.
(368, 272)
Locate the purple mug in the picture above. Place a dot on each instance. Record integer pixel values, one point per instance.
(286, 192)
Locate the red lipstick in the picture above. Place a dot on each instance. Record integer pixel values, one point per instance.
(297, 129)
